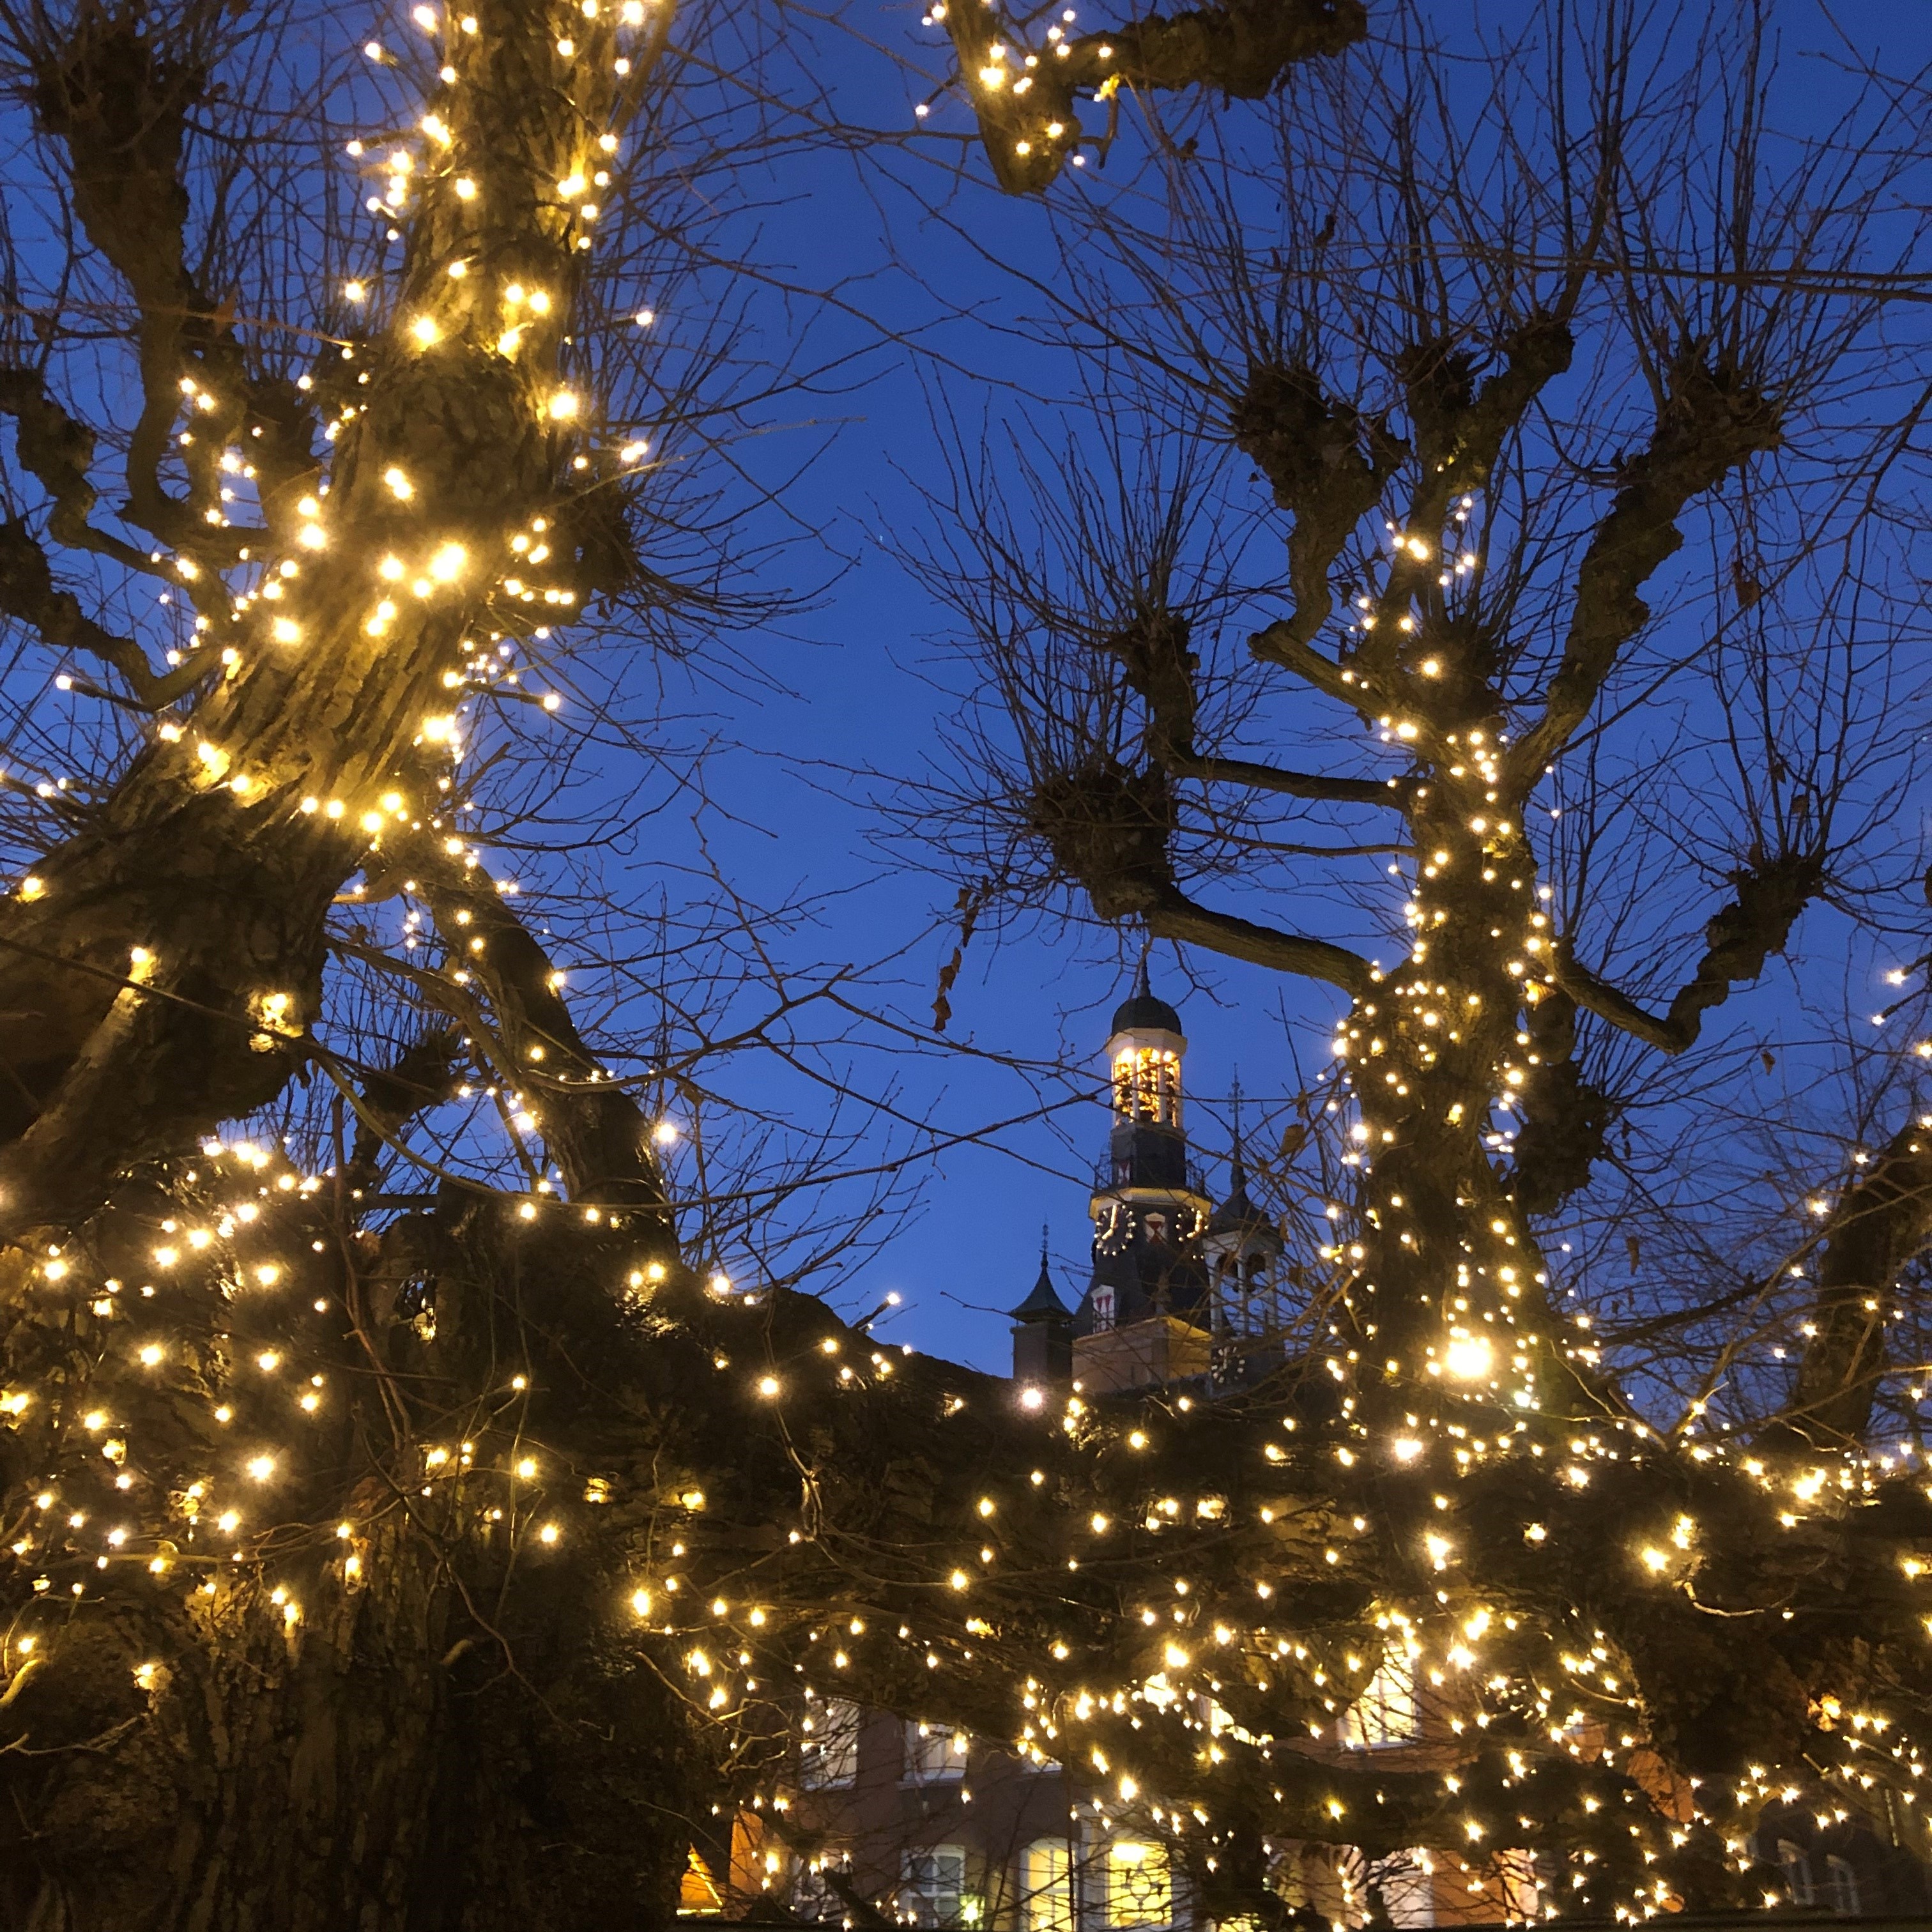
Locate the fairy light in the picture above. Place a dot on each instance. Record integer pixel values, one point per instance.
(1435, 1405)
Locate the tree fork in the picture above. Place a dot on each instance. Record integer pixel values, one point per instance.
(321, 737)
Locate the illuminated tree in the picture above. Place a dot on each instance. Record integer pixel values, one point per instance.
(357, 1479)
(1563, 373)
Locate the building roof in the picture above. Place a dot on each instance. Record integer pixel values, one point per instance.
(1143, 1012)
(1237, 1213)
(1044, 1304)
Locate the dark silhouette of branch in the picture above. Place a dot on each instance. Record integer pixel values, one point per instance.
(1024, 90)
(1738, 941)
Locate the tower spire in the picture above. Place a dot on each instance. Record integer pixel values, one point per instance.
(1044, 1304)
(1238, 1174)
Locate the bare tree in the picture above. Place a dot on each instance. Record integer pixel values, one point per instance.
(382, 1425)
(1584, 386)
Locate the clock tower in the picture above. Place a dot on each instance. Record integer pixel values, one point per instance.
(1144, 1317)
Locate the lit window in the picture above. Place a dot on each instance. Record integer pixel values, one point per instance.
(1103, 1308)
(828, 1752)
(1387, 1712)
(1046, 1887)
(932, 1892)
(1146, 1085)
(815, 1896)
(1407, 1884)
(934, 1751)
(1521, 1889)
(1140, 1888)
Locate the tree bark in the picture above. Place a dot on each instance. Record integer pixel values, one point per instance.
(217, 850)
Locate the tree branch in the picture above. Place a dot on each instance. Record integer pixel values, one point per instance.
(120, 106)
(1328, 464)
(1391, 792)
(419, 1078)
(1152, 650)
(1174, 916)
(1738, 941)
(28, 593)
(1713, 419)
(1879, 1224)
(593, 1128)
(1025, 105)
(58, 450)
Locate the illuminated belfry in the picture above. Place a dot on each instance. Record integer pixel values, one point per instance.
(1180, 1291)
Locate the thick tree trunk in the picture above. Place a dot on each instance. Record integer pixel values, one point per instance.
(353, 1769)
(159, 956)
(1446, 1282)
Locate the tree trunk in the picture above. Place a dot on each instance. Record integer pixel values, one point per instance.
(350, 1769)
(166, 957)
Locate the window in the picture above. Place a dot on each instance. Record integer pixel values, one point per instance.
(1046, 1887)
(932, 1892)
(1103, 1308)
(1841, 1886)
(934, 1751)
(814, 1896)
(1407, 1883)
(828, 1752)
(1797, 1868)
(1140, 1888)
(1521, 1889)
(1387, 1712)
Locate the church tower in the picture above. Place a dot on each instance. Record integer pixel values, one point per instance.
(1145, 1316)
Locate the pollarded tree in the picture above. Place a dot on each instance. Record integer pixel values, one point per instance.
(1566, 372)
(345, 1456)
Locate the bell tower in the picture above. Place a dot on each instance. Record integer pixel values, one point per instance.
(1144, 1318)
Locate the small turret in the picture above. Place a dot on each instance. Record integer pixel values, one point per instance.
(1042, 1331)
(1242, 1250)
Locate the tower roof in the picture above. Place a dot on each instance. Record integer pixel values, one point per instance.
(1144, 1013)
(1238, 1214)
(1044, 1302)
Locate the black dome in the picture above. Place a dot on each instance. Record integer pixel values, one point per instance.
(1144, 1013)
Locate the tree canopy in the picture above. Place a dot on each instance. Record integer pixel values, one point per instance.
(1494, 463)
